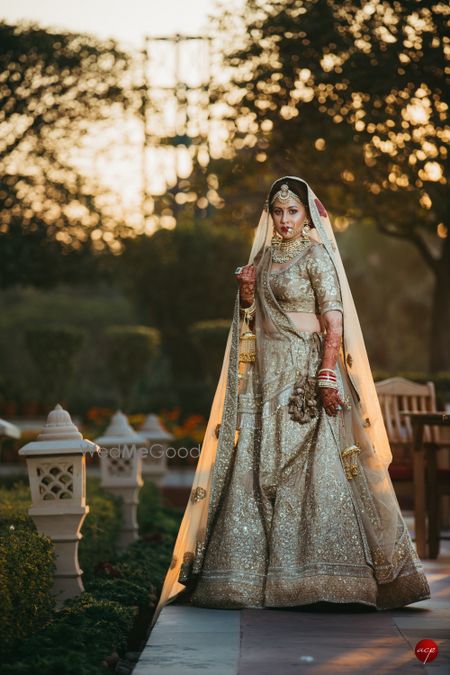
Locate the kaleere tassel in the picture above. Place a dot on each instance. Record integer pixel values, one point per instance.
(349, 460)
(303, 404)
(247, 341)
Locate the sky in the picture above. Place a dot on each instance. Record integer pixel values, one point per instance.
(128, 22)
(125, 21)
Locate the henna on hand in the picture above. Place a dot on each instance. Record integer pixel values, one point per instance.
(247, 283)
(247, 274)
(331, 400)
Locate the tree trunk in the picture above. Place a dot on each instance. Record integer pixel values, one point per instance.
(440, 317)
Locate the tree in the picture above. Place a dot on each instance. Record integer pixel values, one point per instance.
(366, 81)
(181, 276)
(54, 350)
(53, 88)
(128, 349)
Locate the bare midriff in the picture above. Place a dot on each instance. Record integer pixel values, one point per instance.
(306, 321)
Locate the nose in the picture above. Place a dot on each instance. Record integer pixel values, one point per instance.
(284, 217)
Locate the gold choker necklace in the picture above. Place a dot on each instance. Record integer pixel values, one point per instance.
(284, 251)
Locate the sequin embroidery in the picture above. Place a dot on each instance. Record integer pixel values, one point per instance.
(309, 284)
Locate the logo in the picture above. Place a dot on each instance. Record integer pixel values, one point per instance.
(426, 650)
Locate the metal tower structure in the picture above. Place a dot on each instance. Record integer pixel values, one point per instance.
(175, 111)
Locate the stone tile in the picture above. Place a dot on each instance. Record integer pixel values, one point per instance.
(421, 634)
(293, 641)
(333, 643)
(179, 617)
(191, 636)
(327, 658)
(186, 640)
(216, 654)
(340, 625)
(425, 622)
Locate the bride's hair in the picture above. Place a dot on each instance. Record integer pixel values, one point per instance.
(297, 187)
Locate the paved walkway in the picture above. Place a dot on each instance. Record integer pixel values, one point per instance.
(188, 640)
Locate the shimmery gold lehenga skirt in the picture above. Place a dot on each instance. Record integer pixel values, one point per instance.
(288, 531)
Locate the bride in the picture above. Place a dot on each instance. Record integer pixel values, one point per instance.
(292, 502)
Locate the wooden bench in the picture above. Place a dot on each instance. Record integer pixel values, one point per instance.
(396, 394)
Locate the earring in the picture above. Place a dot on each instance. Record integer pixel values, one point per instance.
(276, 239)
(306, 228)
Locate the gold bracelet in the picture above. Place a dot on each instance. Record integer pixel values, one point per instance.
(249, 311)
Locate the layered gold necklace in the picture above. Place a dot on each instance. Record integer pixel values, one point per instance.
(284, 251)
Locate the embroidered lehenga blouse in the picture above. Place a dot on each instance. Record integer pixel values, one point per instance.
(289, 530)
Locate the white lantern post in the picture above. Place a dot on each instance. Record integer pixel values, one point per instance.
(154, 464)
(121, 471)
(56, 463)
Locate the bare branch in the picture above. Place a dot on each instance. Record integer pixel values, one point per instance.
(424, 250)
(398, 234)
(415, 238)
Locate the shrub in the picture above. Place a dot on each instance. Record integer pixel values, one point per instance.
(152, 516)
(53, 350)
(27, 558)
(121, 590)
(83, 633)
(127, 350)
(209, 338)
(27, 564)
(124, 591)
(15, 501)
(100, 528)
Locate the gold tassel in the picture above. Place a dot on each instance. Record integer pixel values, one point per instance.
(247, 347)
(247, 341)
(349, 460)
(186, 567)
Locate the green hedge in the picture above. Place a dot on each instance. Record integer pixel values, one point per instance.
(76, 641)
(210, 338)
(27, 558)
(27, 564)
(127, 350)
(112, 616)
(100, 528)
(53, 351)
(15, 501)
(152, 516)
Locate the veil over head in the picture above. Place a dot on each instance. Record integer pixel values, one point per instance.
(383, 522)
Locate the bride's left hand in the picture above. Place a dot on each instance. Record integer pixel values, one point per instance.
(331, 400)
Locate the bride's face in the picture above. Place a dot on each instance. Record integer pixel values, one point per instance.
(288, 218)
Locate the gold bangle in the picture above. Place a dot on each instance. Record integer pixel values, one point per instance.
(249, 311)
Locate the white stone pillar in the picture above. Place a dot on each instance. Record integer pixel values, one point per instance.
(56, 464)
(154, 465)
(121, 449)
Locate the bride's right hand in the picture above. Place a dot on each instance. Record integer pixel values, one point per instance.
(246, 279)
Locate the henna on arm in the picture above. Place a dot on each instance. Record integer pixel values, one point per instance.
(332, 344)
(333, 337)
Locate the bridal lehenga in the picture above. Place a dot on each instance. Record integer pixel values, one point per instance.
(284, 513)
